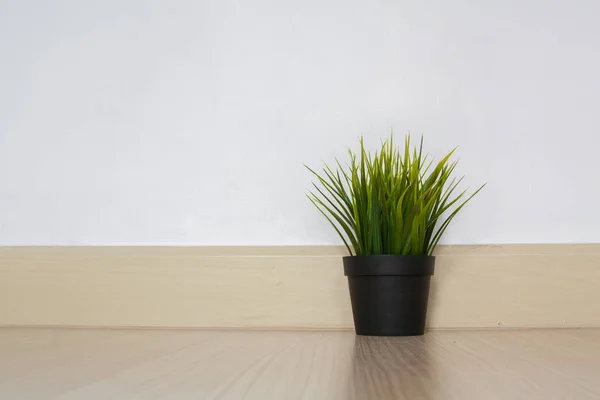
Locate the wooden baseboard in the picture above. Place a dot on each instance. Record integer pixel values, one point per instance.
(287, 287)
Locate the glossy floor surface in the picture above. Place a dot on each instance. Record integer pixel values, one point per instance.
(148, 364)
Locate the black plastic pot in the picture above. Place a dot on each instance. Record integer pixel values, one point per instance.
(389, 293)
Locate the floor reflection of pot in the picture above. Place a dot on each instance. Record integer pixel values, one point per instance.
(393, 368)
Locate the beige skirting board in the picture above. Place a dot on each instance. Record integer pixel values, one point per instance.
(287, 287)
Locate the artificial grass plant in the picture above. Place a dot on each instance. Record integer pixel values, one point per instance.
(392, 202)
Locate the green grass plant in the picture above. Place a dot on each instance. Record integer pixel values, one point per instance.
(395, 201)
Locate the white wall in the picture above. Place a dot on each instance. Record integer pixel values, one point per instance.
(187, 122)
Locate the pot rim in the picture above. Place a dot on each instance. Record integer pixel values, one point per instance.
(389, 265)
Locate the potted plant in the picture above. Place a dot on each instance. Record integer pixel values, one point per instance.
(390, 209)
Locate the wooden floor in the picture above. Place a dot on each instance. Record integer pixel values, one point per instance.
(129, 364)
